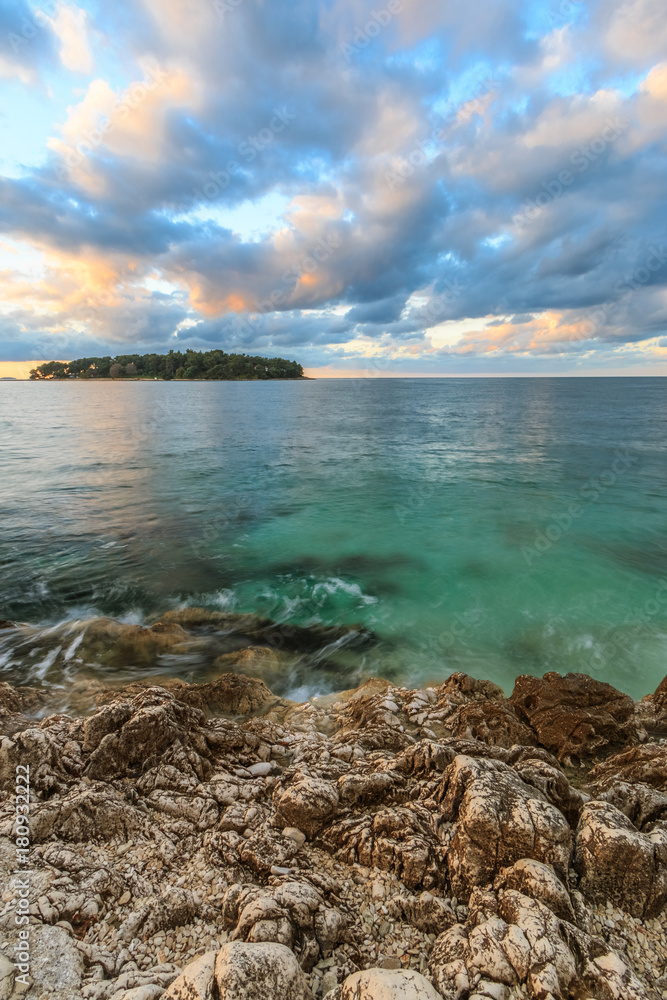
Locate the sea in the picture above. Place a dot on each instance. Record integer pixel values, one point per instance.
(498, 526)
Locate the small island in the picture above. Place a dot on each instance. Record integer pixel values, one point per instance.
(175, 365)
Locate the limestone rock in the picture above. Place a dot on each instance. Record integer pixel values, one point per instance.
(259, 972)
(56, 964)
(307, 803)
(401, 839)
(6, 978)
(385, 984)
(233, 693)
(197, 981)
(292, 913)
(575, 716)
(428, 913)
(620, 864)
(646, 764)
(499, 819)
(492, 722)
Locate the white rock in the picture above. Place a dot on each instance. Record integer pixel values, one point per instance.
(143, 993)
(264, 971)
(296, 835)
(196, 982)
(6, 978)
(56, 964)
(387, 984)
(261, 769)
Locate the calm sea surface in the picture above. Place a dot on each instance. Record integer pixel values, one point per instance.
(496, 526)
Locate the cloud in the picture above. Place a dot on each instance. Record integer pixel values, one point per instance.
(461, 186)
(69, 25)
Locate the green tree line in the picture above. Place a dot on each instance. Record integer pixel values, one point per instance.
(175, 365)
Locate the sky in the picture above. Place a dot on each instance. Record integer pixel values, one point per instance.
(417, 188)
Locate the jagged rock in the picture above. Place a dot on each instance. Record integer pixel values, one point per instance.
(620, 864)
(539, 881)
(428, 913)
(499, 820)
(306, 802)
(242, 971)
(177, 906)
(15, 703)
(197, 982)
(56, 964)
(87, 813)
(462, 688)
(233, 693)
(159, 824)
(402, 840)
(553, 783)
(512, 938)
(492, 722)
(292, 913)
(384, 984)
(646, 764)
(575, 716)
(156, 723)
(255, 661)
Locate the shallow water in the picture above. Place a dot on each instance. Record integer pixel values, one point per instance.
(437, 512)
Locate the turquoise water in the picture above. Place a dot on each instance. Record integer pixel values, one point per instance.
(496, 526)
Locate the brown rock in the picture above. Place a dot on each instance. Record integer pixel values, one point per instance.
(491, 722)
(306, 802)
(646, 764)
(401, 839)
(575, 716)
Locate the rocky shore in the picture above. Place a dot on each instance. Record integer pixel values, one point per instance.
(215, 842)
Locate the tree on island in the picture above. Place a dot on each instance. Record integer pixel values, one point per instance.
(177, 365)
(52, 369)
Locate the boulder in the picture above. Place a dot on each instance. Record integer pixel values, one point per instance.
(306, 802)
(259, 972)
(384, 984)
(498, 819)
(290, 912)
(56, 964)
(512, 939)
(618, 863)
(242, 971)
(196, 982)
(575, 716)
(645, 764)
(492, 722)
